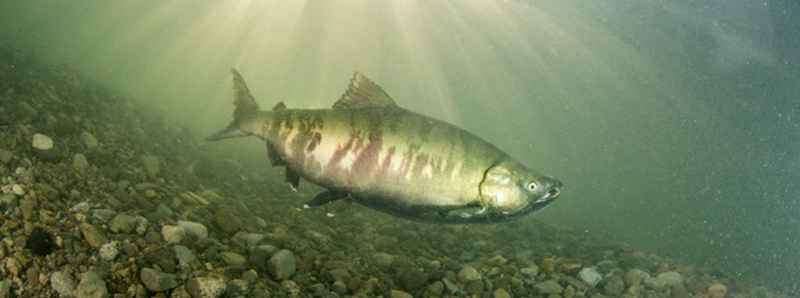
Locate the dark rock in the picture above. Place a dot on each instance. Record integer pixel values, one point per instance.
(40, 242)
(157, 281)
(164, 258)
(228, 221)
(412, 279)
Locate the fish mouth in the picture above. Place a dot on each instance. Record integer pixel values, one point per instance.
(477, 214)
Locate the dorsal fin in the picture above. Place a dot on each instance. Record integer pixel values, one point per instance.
(280, 106)
(242, 99)
(363, 93)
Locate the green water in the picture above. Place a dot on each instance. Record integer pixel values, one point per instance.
(674, 124)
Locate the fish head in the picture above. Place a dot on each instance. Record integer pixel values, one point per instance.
(509, 189)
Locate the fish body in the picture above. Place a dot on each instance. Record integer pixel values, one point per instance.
(368, 149)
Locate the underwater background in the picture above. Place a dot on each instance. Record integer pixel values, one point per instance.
(675, 126)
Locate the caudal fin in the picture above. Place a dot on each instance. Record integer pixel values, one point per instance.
(244, 104)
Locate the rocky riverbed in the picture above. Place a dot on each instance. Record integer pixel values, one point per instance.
(101, 197)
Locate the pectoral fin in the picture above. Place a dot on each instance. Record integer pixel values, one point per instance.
(274, 158)
(325, 197)
(292, 178)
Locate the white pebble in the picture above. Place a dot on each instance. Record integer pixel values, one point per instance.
(42, 142)
(109, 251)
(590, 276)
(18, 190)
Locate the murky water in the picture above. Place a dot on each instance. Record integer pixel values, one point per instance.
(674, 124)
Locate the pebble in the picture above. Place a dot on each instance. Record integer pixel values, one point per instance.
(42, 142)
(260, 222)
(671, 278)
(206, 287)
(81, 207)
(62, 283)
(8, 200)
(194, 229)
(6, 156)
(245, 239)
(123, 223)
(173, 234)
(383, 259)
(109, 251)
(157, 281)
(663, 280)
(501, 293)
(468, 274)
(184, 255)
(717, 290)
(91, 286)
(180, 292)
(339, 287)
(89, 140)
(92, 235)
(152, 165)
(103, 215)
(549, 287)
(530, 271)
(590, 276)
(233, 259)
(614, 286)
(282, 264)
(163, 212)
(250, 275)
(17, 190)
(400, 294)
(13, 266)
(5, 288)
(79, 162)
(27, 205)
(634, 277)
(141, 225)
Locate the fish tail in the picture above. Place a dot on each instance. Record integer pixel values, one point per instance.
(244, 103)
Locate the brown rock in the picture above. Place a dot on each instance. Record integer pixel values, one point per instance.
(93, 236)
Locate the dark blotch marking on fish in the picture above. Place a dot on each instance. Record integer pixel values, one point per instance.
(387, 161)
(368, 157)
(315, 140)
(422, 161)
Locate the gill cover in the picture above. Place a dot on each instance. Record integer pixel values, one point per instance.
(500, 189)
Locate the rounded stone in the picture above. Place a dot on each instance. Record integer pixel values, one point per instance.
(194, 229)
(717, 290)
(173, 234)
(157, 281)
(468, 274)
(42, 142)
(549, 287)
(206, 287)
(109, 251)
(282, 264)
(63, 283)
(92, 286)
(123, 223)
(590, 276)
(79, 162)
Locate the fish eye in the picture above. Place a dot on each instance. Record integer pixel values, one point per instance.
(531, 186)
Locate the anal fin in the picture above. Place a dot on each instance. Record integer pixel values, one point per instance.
(292, 178)
(325, 197)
